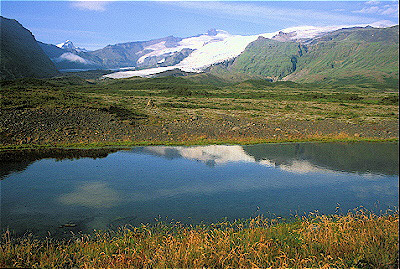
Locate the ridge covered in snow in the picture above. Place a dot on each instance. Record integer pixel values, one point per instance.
(218, 46)
(69, 46)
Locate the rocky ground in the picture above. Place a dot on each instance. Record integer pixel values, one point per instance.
(81, 125)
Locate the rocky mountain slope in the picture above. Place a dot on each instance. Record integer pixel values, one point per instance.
(20, 54)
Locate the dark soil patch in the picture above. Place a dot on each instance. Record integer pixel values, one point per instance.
(81, 125)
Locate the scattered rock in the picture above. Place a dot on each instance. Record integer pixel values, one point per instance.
(150, 103)
(68, 225)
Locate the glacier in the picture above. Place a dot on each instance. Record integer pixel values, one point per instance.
(219, 47)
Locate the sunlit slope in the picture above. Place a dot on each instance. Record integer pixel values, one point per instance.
(353, 54)
(364, 54)
(264, 58)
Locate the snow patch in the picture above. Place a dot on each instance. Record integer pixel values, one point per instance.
(139, 73)
(221, 46)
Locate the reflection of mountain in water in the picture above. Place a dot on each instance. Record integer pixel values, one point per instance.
(375, 158)
(18, 160)
(364, 158)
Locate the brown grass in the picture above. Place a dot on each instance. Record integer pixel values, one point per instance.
(360, 239)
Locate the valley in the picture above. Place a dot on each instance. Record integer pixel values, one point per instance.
(299, 84)
(145, 140)
(194, 109)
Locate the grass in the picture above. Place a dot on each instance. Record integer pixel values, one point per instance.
(178, 96)
(358, 239)
(179, 100)
(197, 141)
(77, 92)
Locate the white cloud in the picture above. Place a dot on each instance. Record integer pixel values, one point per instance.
(71, 58)
(90, 5)
(372, 2)
(390, 10)
(256, 13)
(382, 24)
(368, 10)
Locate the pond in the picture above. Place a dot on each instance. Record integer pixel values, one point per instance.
(64, 191)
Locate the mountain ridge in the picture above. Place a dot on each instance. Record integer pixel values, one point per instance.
(195, 52)
(20, 54)
(302, 54)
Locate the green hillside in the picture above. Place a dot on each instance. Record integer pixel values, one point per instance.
(367, 54)
(264, 58)
(362, 55)
(20, 55)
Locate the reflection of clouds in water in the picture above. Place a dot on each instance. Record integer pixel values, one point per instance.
(297, 167)
(218, 154)
(221, 154)
(91, 194)
(375, 191)
(304, 167)
(371, 176)
(205, 188)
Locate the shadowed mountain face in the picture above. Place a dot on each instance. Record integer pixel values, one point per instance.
(21, 56)
(71, 58)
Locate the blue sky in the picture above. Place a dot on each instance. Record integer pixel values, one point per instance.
(93, 25)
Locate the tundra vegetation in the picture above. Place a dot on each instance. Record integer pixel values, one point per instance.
(85, 111)
(358, 239)
(194, 109)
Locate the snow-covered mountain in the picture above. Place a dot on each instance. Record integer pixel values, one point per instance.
(69, 46)
(67, 56)
(191, 54)
(213, 47)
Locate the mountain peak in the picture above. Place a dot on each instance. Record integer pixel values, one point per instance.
(69, 46)
(214, 32)
(66, 45)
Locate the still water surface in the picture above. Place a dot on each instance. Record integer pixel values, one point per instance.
(44, 191)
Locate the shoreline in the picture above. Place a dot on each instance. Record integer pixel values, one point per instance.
(196, 142)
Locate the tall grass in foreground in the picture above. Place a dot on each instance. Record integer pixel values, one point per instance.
(359, 239)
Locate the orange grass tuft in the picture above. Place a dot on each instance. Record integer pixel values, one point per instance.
(358, 239)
